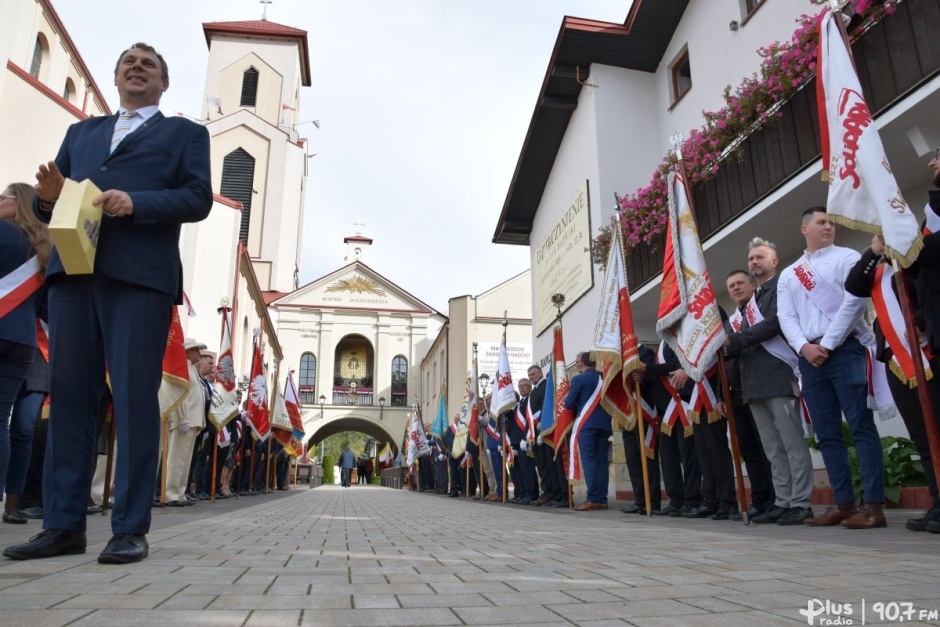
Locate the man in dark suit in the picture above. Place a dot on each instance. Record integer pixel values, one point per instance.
(592, 429)
(154, 173)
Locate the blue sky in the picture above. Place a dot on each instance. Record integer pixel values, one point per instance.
(423, 106)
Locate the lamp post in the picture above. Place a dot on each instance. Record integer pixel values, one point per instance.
(381, 406)
(322, 403)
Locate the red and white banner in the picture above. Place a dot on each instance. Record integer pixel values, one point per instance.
(615, 345)
(504, 396)
(563, 417)
(688, 319)
(258, 398)
(863, 193)
(292, 402)
(175, 383)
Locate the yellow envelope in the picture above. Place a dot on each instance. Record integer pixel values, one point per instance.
(75, 226)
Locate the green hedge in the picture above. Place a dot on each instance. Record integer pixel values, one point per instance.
(328, 477)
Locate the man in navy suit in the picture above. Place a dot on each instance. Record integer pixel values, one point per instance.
(592, 429)
(154, 173)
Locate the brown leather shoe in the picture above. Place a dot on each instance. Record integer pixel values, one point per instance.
(832, 516)
(588, 506)
(867, 517)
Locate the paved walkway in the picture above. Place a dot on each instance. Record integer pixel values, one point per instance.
(375, 556)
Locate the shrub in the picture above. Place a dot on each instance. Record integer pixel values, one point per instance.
(329, 478)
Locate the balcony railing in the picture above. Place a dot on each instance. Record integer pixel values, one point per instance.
(347, 396)
(893, 58)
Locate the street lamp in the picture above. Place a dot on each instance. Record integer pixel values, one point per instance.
(322, 403)
(381, 406)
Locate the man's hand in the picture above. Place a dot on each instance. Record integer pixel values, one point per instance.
(816, 355)
(878, 245)
(49, 182)
(184, 428)
(522, 446)
(115, 203)
(721, 409)
(678, 378)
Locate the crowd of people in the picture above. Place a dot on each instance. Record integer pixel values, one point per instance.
(797, 354)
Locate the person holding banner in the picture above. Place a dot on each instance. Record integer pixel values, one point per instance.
(824, 325)
(631, 445)
(24, 253)
(155, 173)
(872, 276)
(590, 432)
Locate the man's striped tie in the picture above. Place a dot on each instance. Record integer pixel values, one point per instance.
(122, 127)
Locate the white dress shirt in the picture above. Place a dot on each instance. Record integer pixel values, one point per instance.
(802, 321)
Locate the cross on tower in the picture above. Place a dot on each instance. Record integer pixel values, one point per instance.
(359, 224)
(264, 14)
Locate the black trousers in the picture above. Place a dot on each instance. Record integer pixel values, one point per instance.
(530, 485)
(758, 466)
(714, 458)
(456, 476)
(682, 474)
(632, 452)
(440, 475)
(548, 476)
(908, 404)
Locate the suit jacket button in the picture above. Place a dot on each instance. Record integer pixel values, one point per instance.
(104, 168)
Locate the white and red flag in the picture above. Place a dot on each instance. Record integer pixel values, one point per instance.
(175, 383)
(258, 398)
(615, 345)
(417, 438)
(556, 418)
(224, 407)
(292, 403)
(863, 193)
(504, 396)
(688, 319)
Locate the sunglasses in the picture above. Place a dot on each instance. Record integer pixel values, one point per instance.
(8, 197)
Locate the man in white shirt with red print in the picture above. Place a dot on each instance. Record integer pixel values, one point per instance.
(824, 325)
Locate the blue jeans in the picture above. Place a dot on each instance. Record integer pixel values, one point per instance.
(592, 445)
(840, 386)
(15, 359)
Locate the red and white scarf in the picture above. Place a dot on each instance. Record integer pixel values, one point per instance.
(19, 285)
(574, 460)
(703, 397)
(675, 411)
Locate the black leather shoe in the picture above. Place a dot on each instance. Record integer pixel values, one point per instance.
(49, 543)
(669, 510)
(33, 513)
(453, 494)
(17, 519)
(933, 527)
(702, 511)
(175, 504)
(721, 514)
(124, 548)
(736, 515)
(91, 510)
(914, 524)
(630, 508)
(771, 516)
(795, 516)
(558, 504)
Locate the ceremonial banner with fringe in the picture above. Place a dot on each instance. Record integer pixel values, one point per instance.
(440, 418)
(863, 193)
(504, 396)
(554, 409)
(417, 439)
(175, 384)
(224, 403)
(615, 345)
(258, 398)
(386, 455)
(688, 319)
(292, 403)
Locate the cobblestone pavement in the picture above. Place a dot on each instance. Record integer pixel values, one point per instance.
(375, 556)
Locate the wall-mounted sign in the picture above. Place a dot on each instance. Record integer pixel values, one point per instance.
(562, 261)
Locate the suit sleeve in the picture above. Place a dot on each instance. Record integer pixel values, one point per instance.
(191, 199)
(861, 277)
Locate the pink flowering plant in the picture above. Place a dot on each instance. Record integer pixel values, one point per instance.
(785, 68)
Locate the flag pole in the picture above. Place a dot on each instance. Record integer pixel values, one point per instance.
(637, 411)
(164, 455)
(109, 460)
(277, 370)
(722, 373)
(481, 445)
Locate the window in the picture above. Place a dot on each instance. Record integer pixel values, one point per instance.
(249, 87)
(238, 173)
(681, 76)
(399, 381)
(69, 92)
(39, 53)
(308, 379)
(750, 5)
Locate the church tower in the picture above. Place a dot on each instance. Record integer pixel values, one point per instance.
(251, 104)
